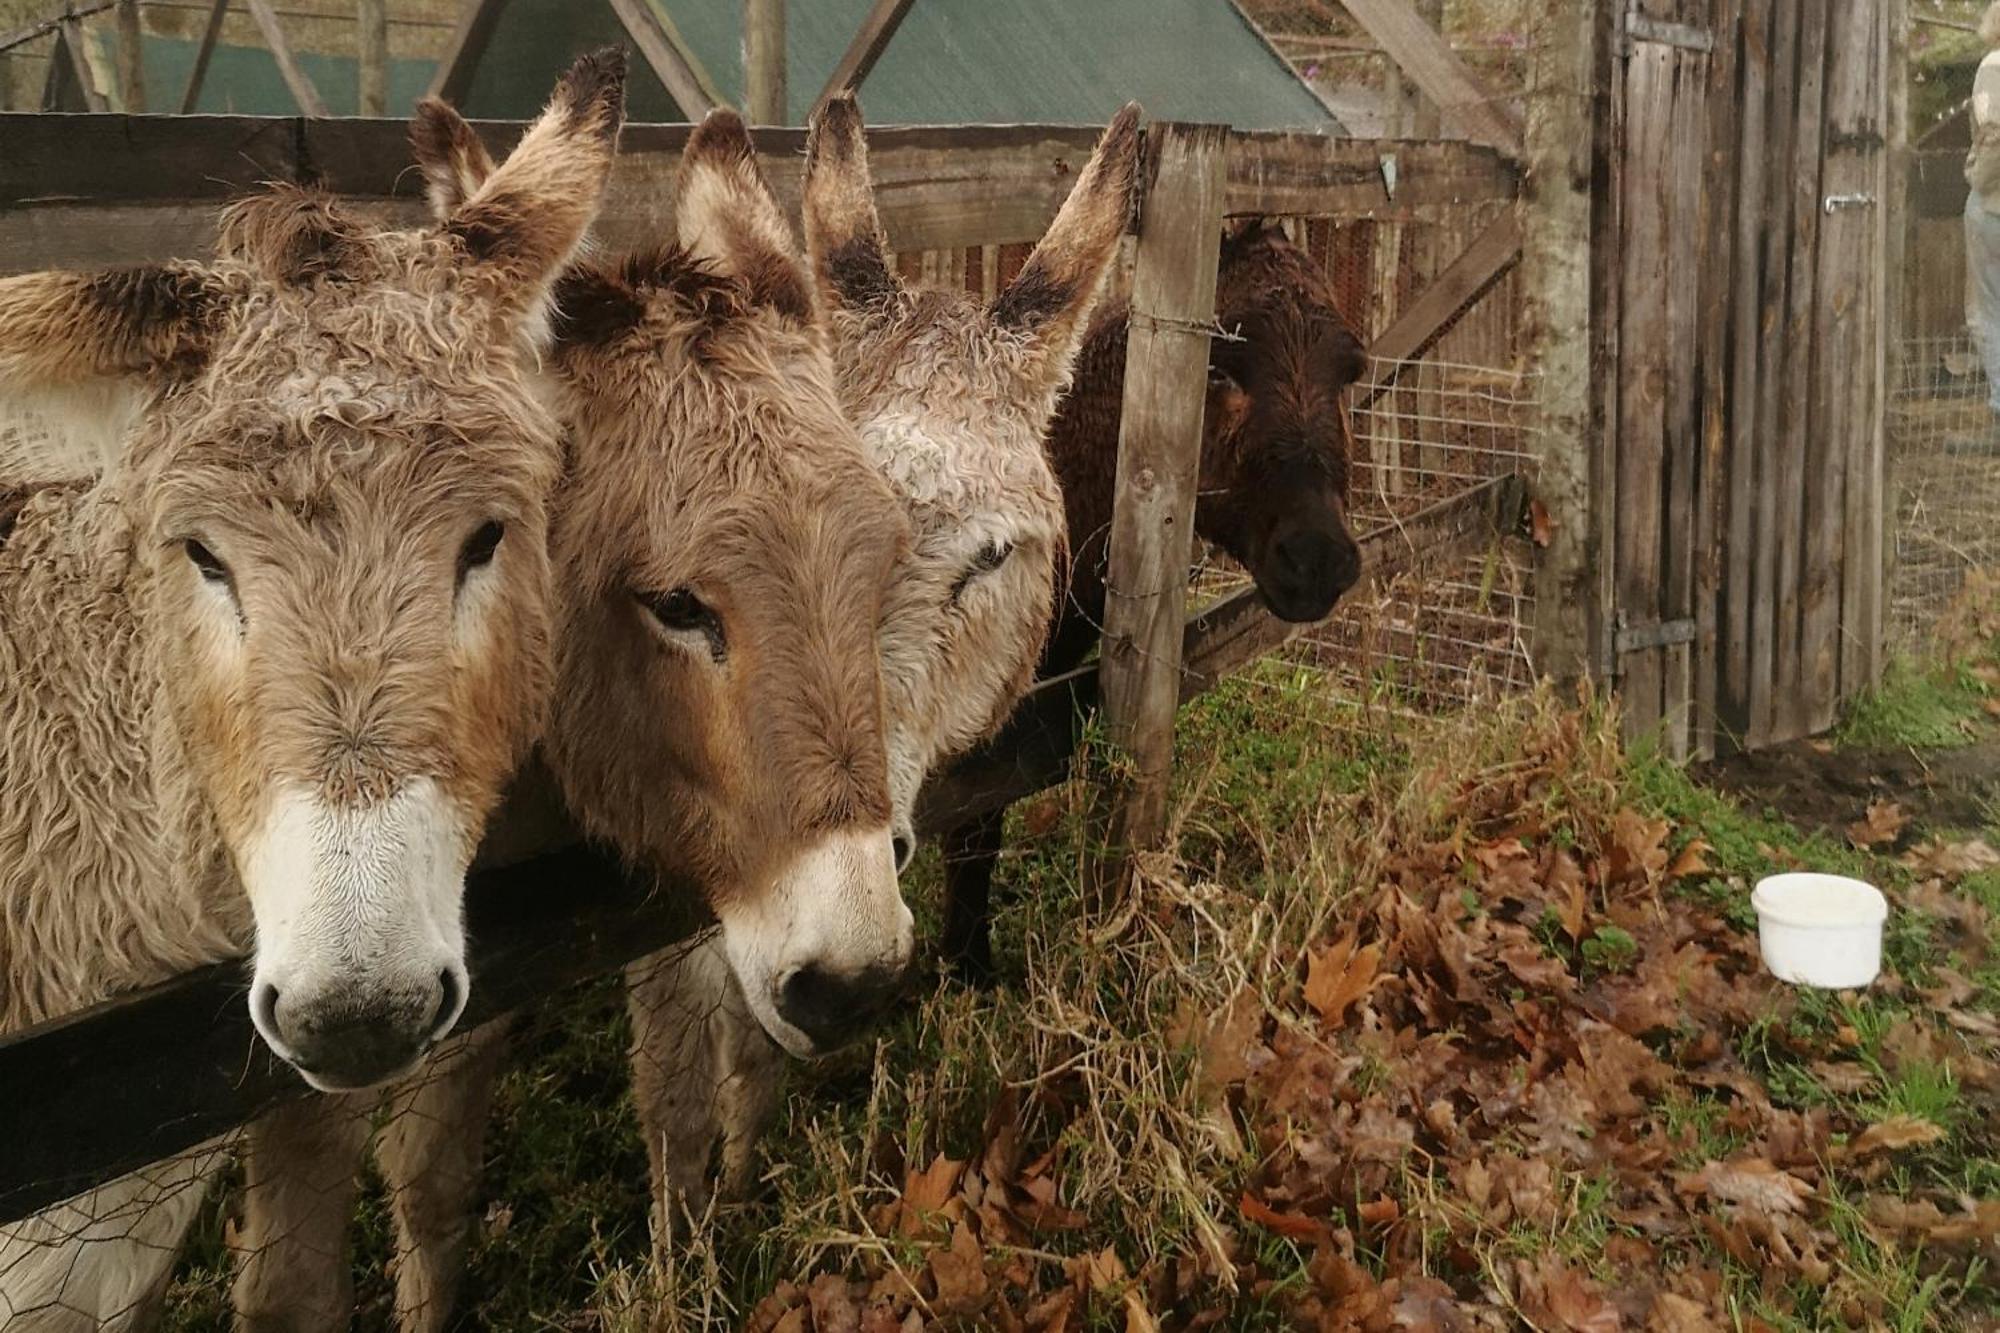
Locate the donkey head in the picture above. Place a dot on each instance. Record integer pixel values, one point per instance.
(952, 399)
(1275, 454)
(724, 546)
(338, 498)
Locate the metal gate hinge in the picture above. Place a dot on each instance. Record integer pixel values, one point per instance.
(1838, 201)
(1643, 28)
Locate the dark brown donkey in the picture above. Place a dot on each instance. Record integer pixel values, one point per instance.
(1273, 486)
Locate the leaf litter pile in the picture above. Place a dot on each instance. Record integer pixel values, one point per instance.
(1483, 1042)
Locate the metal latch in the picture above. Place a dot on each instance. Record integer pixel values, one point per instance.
(1638, 638)
(1838, 201)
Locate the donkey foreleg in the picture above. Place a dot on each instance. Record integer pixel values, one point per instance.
(970, 851)
(300, 1164)
(430, 1152)
(705, 1078)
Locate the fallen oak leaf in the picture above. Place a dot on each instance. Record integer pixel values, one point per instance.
(1879, 826)
(1295, 1225)
(1339, 975)
(1896, 1133)
(1752, 1182)
(1690, 861)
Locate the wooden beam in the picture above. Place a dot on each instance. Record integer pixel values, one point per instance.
(131, 59)
(877, 30)
(466, 48)
(1572, 571)
(1159, 461)
(671, 59)
(1423, 54)
(295, 78)
(76, 62)
(79, 190)
(191, 95)
(371, 57)
(1431, 315)
(765, 99)
(145, 1076)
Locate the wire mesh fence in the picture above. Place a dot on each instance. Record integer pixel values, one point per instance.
(1944, 462)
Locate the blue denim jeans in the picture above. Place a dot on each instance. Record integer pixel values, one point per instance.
(1982, 290)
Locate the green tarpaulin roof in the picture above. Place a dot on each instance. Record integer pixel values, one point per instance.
(951, 61)
(244, 80)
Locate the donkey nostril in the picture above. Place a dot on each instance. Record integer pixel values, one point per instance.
(900, 845)
(448, 1001)
(264, 1008)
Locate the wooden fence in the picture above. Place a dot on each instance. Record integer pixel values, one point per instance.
(1721, 555)
(145, 1076)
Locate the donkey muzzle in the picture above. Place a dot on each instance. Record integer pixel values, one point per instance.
(344, 1041)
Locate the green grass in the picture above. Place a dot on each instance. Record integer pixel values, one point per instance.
(1915, 707)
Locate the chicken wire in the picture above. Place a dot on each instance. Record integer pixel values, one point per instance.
(1944, 465)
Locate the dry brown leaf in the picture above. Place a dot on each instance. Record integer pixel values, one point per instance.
(1690, 861)
(1638, 847)
(1296, 1225)
(1896, 1133)
(1952, 860)
(834, 1309)
(1751, 1182)
(1541, 527)
(960, 1273)
(1339, 975)
(1880, 826)
(1678, 1314)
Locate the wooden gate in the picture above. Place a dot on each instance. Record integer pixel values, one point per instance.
(1740, 297)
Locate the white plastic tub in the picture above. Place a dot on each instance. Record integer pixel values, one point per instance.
(1820, 930)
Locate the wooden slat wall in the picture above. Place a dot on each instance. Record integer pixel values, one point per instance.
(1743, 357)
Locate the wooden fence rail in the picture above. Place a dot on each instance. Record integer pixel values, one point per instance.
(140, 1078)
(82, 190)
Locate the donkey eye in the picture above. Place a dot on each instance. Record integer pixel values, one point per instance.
(991, 556)
(206, 562)
(681, 612)
(480, 547)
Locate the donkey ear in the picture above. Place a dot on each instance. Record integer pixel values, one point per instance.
(727, 215)
(1052, 297)
(850, 259)
(66, 331)
(454, 162)
(526, 220)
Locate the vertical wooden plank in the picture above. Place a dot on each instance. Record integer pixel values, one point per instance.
(465, 49)
(1159, 458)
(1722, 116)
(1846, 341)
(1683, 442)
(764, 95)
(1564, 151)
(989, 272)
(131, 59)
(69, 58)
(1872, 482)
(371, 56)
(1743, 130)
(1645, 377)
(191, 95)
(1768, 600)
(1797, 446)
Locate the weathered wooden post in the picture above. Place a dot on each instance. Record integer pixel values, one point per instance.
(1159, 458)
(764, 62)
(1573, 577)
(371, 56)
(131, 59)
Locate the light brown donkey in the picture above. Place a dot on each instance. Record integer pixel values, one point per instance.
(264, 680)
(722, 549)
(952, 399)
